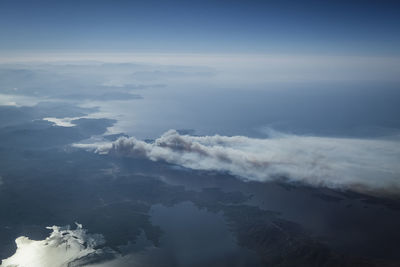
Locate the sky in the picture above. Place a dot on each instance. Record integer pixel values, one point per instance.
(368, 28)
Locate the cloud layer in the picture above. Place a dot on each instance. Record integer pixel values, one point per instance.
(62, 248)
(68, 248)
(363, 165)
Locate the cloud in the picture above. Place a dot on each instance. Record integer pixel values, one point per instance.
(62, 122)
(67, 248)
(62, 248)
(363, 165)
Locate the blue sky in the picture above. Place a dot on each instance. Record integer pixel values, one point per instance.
(293, 27)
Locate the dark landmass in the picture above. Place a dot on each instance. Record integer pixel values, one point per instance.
(45, 182)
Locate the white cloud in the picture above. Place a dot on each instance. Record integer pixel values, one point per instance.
(62, 122)
(364, 165)
(67, 248)
(60, 249)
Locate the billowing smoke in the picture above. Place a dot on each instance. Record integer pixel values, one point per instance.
(363, 165)
(61, 249)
